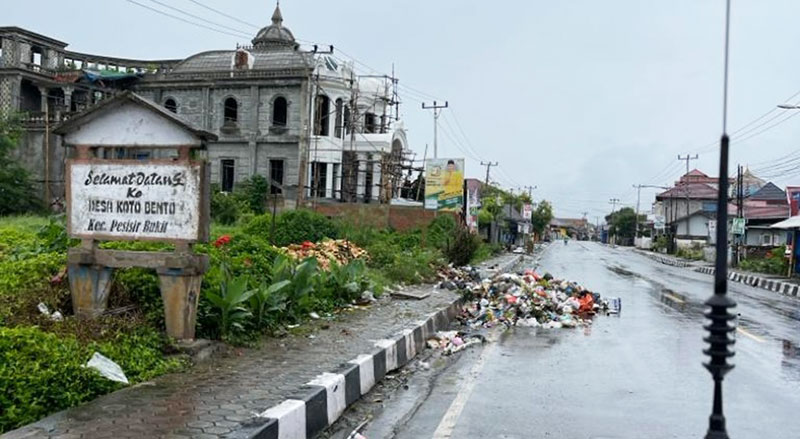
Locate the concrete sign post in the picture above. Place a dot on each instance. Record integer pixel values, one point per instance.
(162, 199)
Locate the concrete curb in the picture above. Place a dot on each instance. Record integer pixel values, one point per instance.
(776, 286)
(323, 400)
(666, 260)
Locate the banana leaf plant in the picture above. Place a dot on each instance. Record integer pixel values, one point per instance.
(230, 304)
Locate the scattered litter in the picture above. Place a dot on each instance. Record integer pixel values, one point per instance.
(107, 368)
(366, 298)
(356, 433)
(453, 341)
(339, 250)
(56, 316)
(313, 315)
(292, 326)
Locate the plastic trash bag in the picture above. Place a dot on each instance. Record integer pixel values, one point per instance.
(107, 368)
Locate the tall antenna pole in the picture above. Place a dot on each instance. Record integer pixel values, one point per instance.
(437, 110)
(719, 329)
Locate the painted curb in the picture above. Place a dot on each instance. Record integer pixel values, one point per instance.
(776, 286)
(323, 400)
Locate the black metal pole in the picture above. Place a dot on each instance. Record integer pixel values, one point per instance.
(719, 330)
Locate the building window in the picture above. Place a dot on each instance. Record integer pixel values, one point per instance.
(227, 175)
(171, 105)
(276, 177)
(319, 175)
(280, 111)
(339, 131)
(37, 55)
(321, 116)
(766, 239)
(369, 123)
(231, 111)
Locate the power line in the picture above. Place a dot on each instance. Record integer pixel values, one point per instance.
(224, 14)
(181, 11)
(183, 19)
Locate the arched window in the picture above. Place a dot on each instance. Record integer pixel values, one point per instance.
(322, 116)
(171, 105)
(231, 111)
(279, 111)
(339, 131)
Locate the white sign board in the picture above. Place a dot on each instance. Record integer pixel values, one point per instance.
(159, 201)
(660, 222)
(527, 211)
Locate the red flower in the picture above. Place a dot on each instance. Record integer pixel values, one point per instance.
(222, 240)
(308, 244)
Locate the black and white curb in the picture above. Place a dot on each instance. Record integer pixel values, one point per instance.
(666, 260)
(785, 288)
(323, 400)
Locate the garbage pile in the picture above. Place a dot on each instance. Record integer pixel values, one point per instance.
(530, 300)
(339, 250)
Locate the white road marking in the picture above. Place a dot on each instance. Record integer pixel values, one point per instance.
(450, 419)
(749, 335)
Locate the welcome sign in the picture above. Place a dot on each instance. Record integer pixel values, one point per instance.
(132, 201)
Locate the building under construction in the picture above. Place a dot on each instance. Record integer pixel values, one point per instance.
(299, 116)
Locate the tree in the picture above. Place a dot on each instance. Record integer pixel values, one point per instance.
(622, 224)
(541, 217)
(17, 194)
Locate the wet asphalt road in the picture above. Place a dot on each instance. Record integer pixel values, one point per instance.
(636, 375)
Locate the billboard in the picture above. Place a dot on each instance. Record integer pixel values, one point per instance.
(473, 207)
(444, 184)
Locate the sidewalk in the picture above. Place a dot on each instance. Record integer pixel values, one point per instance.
(777, 284)
(223, 397)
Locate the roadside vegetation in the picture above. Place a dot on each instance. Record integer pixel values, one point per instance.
(252, 289)
(773, 262)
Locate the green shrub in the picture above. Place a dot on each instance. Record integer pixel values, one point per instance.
(14, 242)
(413, 266)
(225, 207)
(441, 231)
(773, 263)
(139, 286)
(461, 250)
(253, 193)
(694, 253)
(31, 273)
(53, 236)
(293, 227)
(41, 373)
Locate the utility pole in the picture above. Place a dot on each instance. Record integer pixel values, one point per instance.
(613, 203)
(688, 158)
(737, 239)
(437, 110)
(530, 190)
(488, 167)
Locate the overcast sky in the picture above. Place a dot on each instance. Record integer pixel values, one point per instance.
(582, 98)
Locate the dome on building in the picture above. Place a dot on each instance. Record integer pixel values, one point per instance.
(275, 35)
